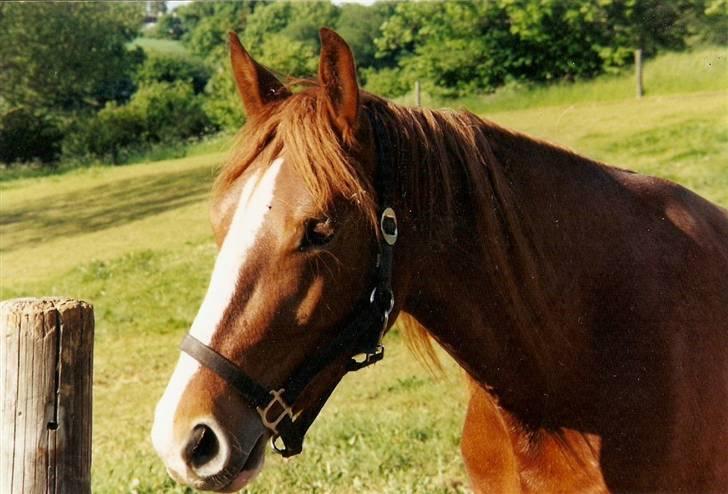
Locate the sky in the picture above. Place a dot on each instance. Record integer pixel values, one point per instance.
(173, 4)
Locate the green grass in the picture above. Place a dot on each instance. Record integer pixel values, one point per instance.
(682, 137)
(134, 241)
(214, 143)
(164, 46)
(703, 69)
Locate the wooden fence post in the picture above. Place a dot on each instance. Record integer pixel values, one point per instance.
(418, 96)
(638, 71)
(46, 361)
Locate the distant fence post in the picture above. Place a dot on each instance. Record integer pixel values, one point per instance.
(46, 361)
(418, 96)
(638, 71)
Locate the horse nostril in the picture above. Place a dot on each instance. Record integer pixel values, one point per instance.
(202, 447)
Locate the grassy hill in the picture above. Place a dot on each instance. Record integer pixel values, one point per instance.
(135, 242)
(702, 69)
(163, 46)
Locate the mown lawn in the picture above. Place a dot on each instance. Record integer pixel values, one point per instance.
(135, 242)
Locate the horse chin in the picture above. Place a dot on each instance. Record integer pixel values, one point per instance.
(250, 470)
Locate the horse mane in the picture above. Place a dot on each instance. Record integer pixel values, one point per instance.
(445, 167)
(448, 173)
(301, 124)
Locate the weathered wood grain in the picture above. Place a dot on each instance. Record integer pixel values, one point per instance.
(46, 359)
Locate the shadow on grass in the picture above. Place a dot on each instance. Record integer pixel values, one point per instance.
(102, 207)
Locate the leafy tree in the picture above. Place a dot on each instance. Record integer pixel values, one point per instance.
(159, 67)
(206, 24)
(360, 25)
(159, 112)
(289, 57)
(222, 103)
(306, 20)
(454, 47)
(170, 111)
(461, 47)
(709, 21)
(169, 26)
(66, 57)
(299, 21)
(554, 39)
(389, 81)
(25, 136)
(281, 35)
(646, 24)
(158, 7)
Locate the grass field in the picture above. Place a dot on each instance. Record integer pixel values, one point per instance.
(702, 69)
(135, 242)
(163, 46)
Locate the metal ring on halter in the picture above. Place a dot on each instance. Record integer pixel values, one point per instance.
(278, 449)
(387, 311)
(389, 293)
(363, 359)
(388, 226)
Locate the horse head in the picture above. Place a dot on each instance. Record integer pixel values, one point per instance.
(296, 221)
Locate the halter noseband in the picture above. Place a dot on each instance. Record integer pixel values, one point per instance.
(360, 340)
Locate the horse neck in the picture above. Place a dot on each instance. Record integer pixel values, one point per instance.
(476, 277)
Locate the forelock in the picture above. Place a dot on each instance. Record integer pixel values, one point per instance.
(301, 129)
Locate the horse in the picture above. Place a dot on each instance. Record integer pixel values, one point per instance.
(587, 304)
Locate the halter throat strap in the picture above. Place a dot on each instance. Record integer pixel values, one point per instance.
(359, 340)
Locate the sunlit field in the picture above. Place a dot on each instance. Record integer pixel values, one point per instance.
(135, 242)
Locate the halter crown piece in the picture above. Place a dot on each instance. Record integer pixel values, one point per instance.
(361, 338)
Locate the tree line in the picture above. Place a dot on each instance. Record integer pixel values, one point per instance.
(74, 86)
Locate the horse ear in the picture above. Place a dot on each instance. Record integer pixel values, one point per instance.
(257, 85)
(337, 73)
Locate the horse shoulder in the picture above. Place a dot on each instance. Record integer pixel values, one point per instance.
(501, 456)
(486, 446)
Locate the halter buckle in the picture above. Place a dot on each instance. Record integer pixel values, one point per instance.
(366, 359)
(388, 226)
(286, 411)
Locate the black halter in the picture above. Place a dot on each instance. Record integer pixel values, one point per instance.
(360, 339)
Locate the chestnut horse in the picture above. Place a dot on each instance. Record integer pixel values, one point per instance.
(587, 304)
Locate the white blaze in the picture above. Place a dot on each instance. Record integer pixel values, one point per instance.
(248, 219)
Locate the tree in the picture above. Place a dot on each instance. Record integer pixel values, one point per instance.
(298, 21)
(710, 21)
(280, 35)
(25, 136)
(159, 112)
(649, 25)
(168, 26)
(360, 25)
(163, 67)
(454, 47)
(206, 24)
(461, 47)
(66, 57)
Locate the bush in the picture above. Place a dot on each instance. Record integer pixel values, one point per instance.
(158, 113)
(171, 112)
(160, 67)
(106, 135)
(26, 137)
(222, 103)
(169, 26)
(388, 82)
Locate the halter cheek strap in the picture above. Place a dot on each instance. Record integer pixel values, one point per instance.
(359, 340)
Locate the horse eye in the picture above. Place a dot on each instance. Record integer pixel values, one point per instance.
(317, 232)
